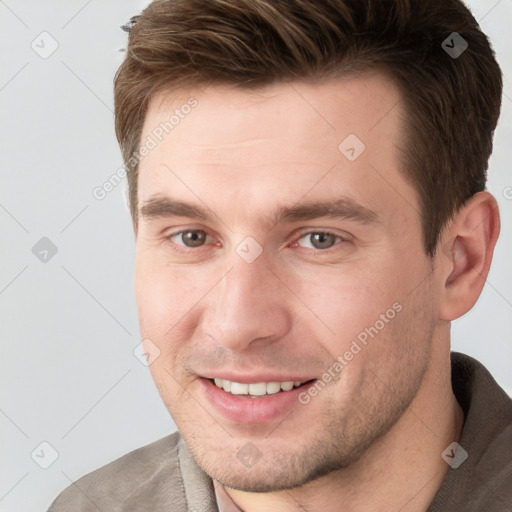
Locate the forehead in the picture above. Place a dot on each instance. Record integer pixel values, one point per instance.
(277, 144)
(315, 111)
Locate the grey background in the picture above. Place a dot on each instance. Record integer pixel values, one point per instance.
(69, 325)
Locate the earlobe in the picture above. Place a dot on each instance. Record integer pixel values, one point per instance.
(466, 255)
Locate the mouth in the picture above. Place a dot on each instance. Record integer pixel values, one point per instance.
(254, 402)
(258, 389)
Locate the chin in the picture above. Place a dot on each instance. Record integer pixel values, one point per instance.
(275, 470)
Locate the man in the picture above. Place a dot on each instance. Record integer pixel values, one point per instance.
(307, 186)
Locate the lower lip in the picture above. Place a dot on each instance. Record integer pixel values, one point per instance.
(244, 409)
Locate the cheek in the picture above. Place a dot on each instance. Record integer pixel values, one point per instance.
(165, 294)
(342, 302)
(165, 300)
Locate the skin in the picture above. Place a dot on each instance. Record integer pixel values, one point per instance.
(372, 438)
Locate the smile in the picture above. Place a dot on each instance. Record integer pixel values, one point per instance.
(255, 389)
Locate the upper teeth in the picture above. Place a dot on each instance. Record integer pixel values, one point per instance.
(257, 389)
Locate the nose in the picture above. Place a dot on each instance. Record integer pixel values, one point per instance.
(249, 304)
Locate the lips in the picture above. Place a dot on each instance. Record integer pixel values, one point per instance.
(241, 406)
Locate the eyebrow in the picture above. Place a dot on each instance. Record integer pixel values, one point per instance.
(343, 208)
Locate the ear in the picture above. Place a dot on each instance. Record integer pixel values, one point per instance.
(466, 254)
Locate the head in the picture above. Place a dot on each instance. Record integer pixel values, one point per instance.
(289, 220)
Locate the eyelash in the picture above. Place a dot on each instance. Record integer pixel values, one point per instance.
(184, 249)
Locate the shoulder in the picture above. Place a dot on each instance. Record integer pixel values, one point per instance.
(483, 478)
(136, 478)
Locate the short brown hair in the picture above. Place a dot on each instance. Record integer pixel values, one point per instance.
(452, 104)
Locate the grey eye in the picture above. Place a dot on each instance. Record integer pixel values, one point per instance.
(191, 238)
(320, 240)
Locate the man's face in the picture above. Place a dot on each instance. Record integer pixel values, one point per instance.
(265, 287)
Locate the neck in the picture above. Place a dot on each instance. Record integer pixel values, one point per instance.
(401, 471)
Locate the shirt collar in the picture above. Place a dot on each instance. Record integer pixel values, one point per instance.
(224, 501)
